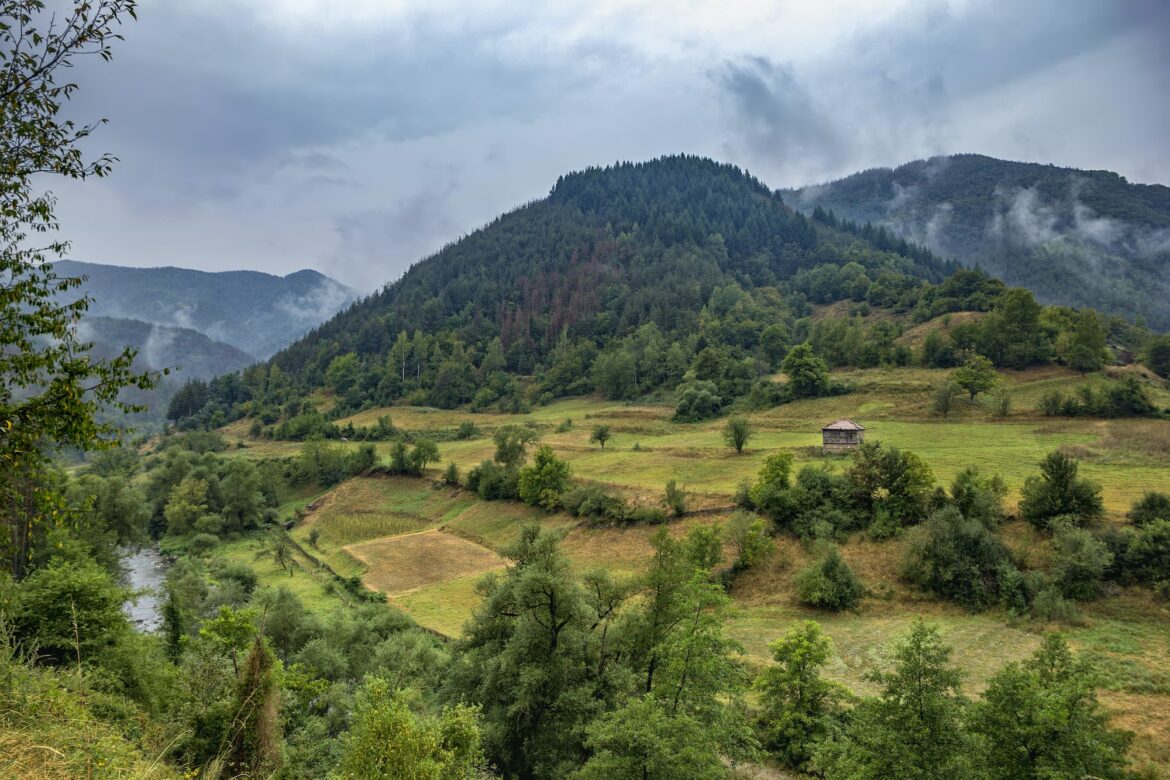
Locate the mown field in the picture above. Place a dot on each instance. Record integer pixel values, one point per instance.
(426, 547)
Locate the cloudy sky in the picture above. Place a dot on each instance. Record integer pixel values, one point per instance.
(357, 137)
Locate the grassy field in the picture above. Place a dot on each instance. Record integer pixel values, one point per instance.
(428, 547)
(400, 564)
(432, 576)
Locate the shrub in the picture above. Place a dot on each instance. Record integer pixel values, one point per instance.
(943, 398)
(1001, 403)
(542, 483)
(494, 482)
(698, 400)
(199, 544)
(511, 444)
(770, 493)
(451, 475)
(977, 497)
(237, 572)
(956, 558)
(1142, 554)
(1050, 605)
(1150, 507)
(644, 515)
(1079, 561)
(675, 499)
(829, 583)
(821, 504)
(749, 538)
(737, 432)
(892, 482)
(69, 608)
(594, 502)
(467, 430)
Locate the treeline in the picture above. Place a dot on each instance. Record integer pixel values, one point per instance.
(741, 337)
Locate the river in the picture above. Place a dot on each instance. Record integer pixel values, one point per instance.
(146, 570)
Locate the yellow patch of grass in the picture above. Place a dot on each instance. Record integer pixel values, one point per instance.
(443, 607)
(400, 564)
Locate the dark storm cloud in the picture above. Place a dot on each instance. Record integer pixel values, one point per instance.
(780, 118)
(277, 135)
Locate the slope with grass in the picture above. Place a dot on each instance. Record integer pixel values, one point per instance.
(427, 545)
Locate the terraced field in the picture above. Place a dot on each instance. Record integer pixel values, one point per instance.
(396, 565)
(427, 547)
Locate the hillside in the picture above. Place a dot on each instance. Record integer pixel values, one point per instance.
(1073, 237)
(608, 251)
(427, 546)
(254, 312)
(190, 354)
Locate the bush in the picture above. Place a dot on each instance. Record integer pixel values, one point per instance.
(749, 538)
(644, 515)
(451, 475)
(829, 583)
(199, 544)
(237, 572)
(594, 502)
(1141, 555)
(821, 504)
(494, 482)
(1050, 605)
(467, 430)
(956, 558)
(1150, 507)
(675, 499)
(737, 433)
(893, 483)
(68, 608)
(977, 497)
(542, 483)
(697, 401)
(1079, 561)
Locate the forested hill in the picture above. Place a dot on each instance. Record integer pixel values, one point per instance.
(255, 312)
(607, 251)
(188, 353)
(1074, 237)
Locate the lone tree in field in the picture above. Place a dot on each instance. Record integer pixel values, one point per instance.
(601, 434)
(276, 546)
(737, 432)
(51, 387)
(975, 376)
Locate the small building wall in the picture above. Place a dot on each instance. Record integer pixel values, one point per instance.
(841, 441)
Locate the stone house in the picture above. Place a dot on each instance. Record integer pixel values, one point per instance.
(842, 436)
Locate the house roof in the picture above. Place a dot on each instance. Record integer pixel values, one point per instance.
(843, 425)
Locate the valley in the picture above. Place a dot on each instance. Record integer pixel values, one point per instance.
(426, 545)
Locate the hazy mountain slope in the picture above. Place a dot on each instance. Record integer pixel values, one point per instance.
(191, 354)
(255, 312)
(1075, 237)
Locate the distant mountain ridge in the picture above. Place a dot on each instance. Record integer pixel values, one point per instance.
(192, 354)
(257, 313)
(1074, 237)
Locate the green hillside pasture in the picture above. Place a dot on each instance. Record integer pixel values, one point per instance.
(432, 575)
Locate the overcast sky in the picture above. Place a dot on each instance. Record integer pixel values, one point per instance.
(356, 137)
